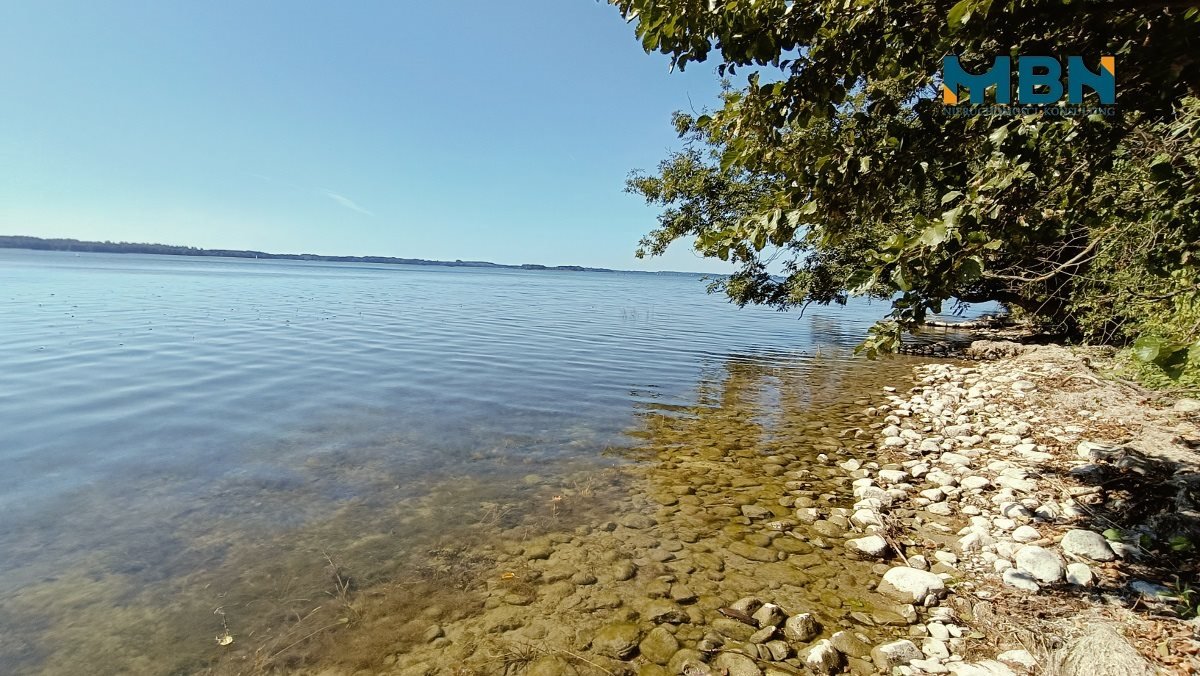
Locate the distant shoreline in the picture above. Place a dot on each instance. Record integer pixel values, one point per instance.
(42, 244)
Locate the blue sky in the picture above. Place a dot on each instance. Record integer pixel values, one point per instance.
(473, 129)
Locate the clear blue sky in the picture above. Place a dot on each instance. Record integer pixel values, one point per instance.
(474, 129)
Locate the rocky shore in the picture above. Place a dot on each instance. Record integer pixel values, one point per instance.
(1015, 516)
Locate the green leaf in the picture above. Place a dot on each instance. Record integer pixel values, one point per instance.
(970, 269)
(951, 196)
(959, 13)
(1112, 535)
(934, 234)
(1147, 348)
(901, 280)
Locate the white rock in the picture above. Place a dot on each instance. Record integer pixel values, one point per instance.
(929, 666)
(1043, 564)
(1021, 659)
(938, 630)
(865, 517)
(1020, 580)
(973, 483)
(1187, 406)
(822, 658)
(1026, 534)
(947, 558)
(893, 476)
(935, 649)
(1087, 544)
(909, 585)
(955, 459)
(1001, 565)
(940, 508)
(894, 654)
(894, 442)
(972, 542)
(1079, 574)
(871, 546)
(984, 668)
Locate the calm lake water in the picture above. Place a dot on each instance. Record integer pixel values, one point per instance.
(176, 432)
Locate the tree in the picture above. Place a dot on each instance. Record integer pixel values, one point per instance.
(838, 161)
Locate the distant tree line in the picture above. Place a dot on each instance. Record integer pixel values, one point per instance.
(40, 244)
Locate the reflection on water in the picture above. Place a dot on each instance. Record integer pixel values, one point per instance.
(289, 454)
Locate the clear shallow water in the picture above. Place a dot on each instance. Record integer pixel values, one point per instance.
(169, 425)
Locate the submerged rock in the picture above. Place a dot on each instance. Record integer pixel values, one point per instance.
(619, 640)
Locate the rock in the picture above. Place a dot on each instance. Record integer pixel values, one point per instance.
(688, 661)
(763, 635)
(1020, 659)
(682, 594)
(665, 612)
(940, 509)
(871, 546)
(733, 629)
(747, 605)
(756, 512)
(1079, 574)
(850, 644)
(1149, 590)
(1043, 564)
(1087, 544)
(928, 666)
(938, 630)
(865, 518)
(1026, 534)
(624, 570)
(801, 628)
(637, 521)
(822, 658)
(432, 634)
(935, 649)
(1099, 652)
(583, 578)
(734, 664)
(769, 615)
(893, 476)
(779, 650)
(1187, 406)
(754, 553)
(972, 483)
(619, 640)
(659, 645)
(1020, 580)
(1091, 450)
(894, 654)
(909, 585)
(983, 668)
(919, 562)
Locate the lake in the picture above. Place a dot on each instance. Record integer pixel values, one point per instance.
(195, 449)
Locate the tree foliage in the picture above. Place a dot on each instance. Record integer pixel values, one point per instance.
(835, 161)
